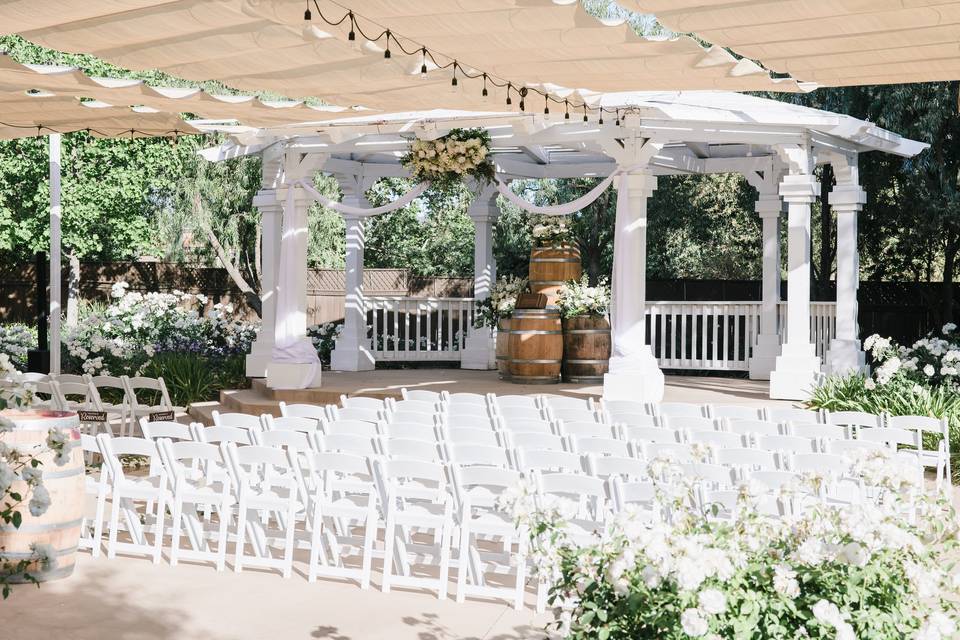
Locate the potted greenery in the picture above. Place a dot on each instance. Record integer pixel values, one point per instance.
(554, 258)
(496, 310)
(586, 330)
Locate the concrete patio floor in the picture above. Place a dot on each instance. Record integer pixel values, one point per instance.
(132, 599)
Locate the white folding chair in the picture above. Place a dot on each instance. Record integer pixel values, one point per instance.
(266, 489)
(467, 422)
(410, 449)
(345, 498)
(364, 415)
(631, 419)
(623, 466)
(165, 429)
(156, 388)
(675, 451)
(785, 446)
(775, 480)
(851, 448)
(528, 458)
(523, 402)
(625, 406)
(822, 463)
(197, 476)
(937, 456)
(585, 429)
(811, 430)
(421, 395)
(406, 415)
(414, 406)
(649, 434)
(568, 402)
(531, 440)
(733, 412)
(409, 430)
(688, 423)
(463, 398)
(855, 419)
(713, 476)
(716, 439)
(313, 411)
(113, 388)
(467, 455)
(723, 504)
(521, 414)
(599, 446)
(348, 443)
(354, 427)
(626, 492)
(73, 396)
(241, 420)
(527, 426)
(216, 435)
(289, 423)
(359, 402)
(891, 437)
(97, 484)
(677, 410)
(415, 499)
(745, 460)
(484, 437)
(127, 492)
(573, 415)
(791, 414)
(753, 427)
(477, 489)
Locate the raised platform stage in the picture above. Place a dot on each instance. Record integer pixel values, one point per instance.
(388, 382)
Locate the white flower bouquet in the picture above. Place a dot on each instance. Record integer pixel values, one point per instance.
(878, 570)
(578, 298)
(501, 303)
(551, 231)
(459, 154)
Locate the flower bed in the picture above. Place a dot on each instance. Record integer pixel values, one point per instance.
(869, 571)
(15, 340)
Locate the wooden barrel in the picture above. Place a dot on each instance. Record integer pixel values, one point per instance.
(60, 525)
(551, 267)
(536, 346)
(503, 348)
(586, 349)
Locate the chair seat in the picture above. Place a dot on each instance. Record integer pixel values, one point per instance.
(146, 488)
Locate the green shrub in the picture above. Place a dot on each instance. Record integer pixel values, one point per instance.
(194, 378)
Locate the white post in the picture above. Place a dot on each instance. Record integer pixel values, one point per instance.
(55, 267)
(847, 199)
(767, 347)
(480, 350)
(634, 372)
(271, 211)
(352, 351)
(796, 370)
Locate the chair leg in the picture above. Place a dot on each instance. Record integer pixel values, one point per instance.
(288, 548)
(98, 523)
(445, 541)
(368, 538)
(463, 562)
(241, 534)
(388, 542)
(175, 533)
(521, 559)
(224, 514)
(315, 543)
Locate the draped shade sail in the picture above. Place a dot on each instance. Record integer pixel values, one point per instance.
(830, 42)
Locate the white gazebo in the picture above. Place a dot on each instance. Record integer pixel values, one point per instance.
(774, 145)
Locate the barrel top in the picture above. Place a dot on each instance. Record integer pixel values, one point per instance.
(39, 419)
(536, 313)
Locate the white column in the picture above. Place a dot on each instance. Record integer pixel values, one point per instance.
(767, 346)
(634, 372)
(480, 351)
(271, 211)
(55, 267)
(286, 374)
(798, 365)
(845, 353)
(352, 351)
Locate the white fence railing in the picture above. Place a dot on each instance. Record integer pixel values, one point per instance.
(418, 329)
(683, 335)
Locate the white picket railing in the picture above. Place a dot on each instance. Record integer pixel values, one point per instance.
(418, 329)
(708, 336)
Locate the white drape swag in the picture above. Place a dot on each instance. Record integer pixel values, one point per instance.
(339, 207)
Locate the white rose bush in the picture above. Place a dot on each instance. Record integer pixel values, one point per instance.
(922, 379)
(876, 571)
(24, 469)
(446, 161)
(578, 298)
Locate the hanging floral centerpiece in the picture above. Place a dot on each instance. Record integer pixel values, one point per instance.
(462, 153)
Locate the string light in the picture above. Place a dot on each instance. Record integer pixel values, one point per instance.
(600, 121)
(306, 14)
(352, 35)
(453, 83)
(566, 113)
(523, 94)
(423, 65)
(386, 52)
(618, 118)
(485, 92)
(509, 87)
(546, 105)
(584, 113)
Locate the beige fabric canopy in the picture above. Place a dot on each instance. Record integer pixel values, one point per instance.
(830, 42)
(257, 45)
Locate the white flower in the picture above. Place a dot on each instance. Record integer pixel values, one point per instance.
(46, 555)
(949, 327)
(929, 370)
(39, 501)
(712, 601)
(869, 384)
(693, 623)
(7, 477)
(785, 581)
(31, 474)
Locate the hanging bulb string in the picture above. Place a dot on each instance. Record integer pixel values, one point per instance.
(452, 63)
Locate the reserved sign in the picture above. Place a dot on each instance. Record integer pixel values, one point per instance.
(92, 416)
(161, 416)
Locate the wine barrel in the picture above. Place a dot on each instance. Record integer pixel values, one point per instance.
(536, 346)
(60, 525)
(551, 267)
(503, 348)
(586, 349)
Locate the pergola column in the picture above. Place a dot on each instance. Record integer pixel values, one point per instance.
(352, 350)
(767, 347)
(798, 365)
(634, 372)
(480, 350)
(847, 199)
(271, 212)
(294, 237)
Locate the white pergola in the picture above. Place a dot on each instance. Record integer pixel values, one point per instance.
(774, 145)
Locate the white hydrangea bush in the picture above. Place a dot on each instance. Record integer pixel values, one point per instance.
(21, 481)
(15, 340)
(876, 571)
(122, 337)
(932, 361)
(578, 298)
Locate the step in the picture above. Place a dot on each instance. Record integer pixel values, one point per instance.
(319, 395)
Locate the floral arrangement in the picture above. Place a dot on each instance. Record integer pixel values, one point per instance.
(15, 340)
(551, 231)
(124, 336)
(19, 466)
(877, 570)
(930, 362)
(501, 302)
(448, 159)
(578, 298)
